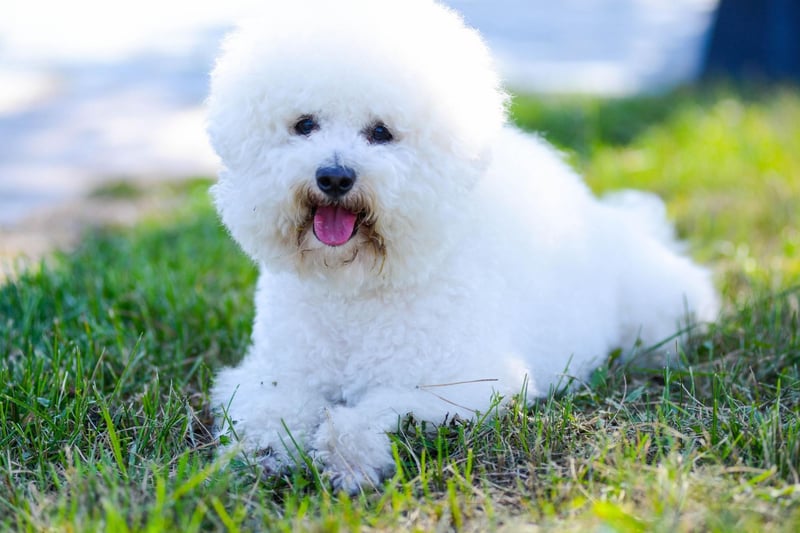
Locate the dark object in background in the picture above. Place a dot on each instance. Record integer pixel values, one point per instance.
(755, 39)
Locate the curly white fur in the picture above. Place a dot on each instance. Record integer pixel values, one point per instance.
(479, 259)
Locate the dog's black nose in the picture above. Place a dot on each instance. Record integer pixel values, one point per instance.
(335, 181)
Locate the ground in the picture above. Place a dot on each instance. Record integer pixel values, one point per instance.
(119, 204)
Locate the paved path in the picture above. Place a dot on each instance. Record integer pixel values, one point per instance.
(92, 90)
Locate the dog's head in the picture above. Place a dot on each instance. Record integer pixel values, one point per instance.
(351, 134)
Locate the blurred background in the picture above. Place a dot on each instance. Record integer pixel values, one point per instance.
(95, 91)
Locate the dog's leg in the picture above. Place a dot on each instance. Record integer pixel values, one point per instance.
(661, 293)
(352, 444)
(256, 408)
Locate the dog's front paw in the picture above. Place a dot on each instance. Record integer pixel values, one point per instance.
(353, 456)
(353, 478)
(273, 463)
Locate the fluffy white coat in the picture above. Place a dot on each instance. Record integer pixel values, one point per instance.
(479, 259)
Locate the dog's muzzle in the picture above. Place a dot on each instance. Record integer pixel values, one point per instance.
(335, 223)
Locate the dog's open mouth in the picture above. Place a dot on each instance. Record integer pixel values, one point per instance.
(334, 225)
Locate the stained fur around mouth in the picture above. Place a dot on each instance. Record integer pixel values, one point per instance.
(365, 238)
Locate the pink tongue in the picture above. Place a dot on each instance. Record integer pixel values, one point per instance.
(333, 225)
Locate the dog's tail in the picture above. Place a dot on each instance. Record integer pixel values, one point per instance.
(646, 211)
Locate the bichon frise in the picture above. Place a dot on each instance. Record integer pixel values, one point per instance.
(417, 254)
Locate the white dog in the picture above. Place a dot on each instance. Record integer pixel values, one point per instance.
(417, 254)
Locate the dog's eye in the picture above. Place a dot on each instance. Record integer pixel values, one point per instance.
(305, 125)
(379, 134)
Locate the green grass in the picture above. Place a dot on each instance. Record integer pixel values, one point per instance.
(108, 354)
